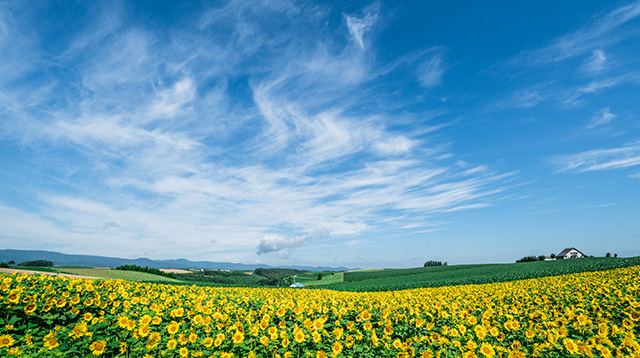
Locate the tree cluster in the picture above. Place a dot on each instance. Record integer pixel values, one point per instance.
(146, 269)
(36, 263)
(531, 259)
(276, 276)
(7, 264)
(431, 263)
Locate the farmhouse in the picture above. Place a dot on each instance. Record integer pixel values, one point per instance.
(570, 253)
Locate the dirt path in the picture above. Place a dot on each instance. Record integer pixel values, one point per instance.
(31, 272)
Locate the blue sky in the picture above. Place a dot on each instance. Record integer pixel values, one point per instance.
(367, 134)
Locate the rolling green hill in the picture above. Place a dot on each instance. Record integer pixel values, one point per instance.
(373, 280)
(399, 279)
(311, 278)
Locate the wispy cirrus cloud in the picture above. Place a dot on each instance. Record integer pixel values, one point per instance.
(432, 68)
(602, 117)
(600, 159)
(596, 63)
(575, 66)
(524, 98)
(566, 97)
(359, 25)
(233, 137)
(602, 31)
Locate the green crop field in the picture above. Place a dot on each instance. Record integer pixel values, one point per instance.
(399, 279)
(37, 268)
(114, 274)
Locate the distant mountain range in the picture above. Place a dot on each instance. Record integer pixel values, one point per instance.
(60, 259)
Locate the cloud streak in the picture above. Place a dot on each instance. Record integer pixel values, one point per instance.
(603, 116)
(605, 30)
(596, 63)
(432, 68)
(601, 159)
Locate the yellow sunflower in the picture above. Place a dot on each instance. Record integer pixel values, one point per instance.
(238, 337)
(6, 341)
(336, 349)
(487, 350)
(570, 346)
(30, 308)
(173, 328)
(97, 347)
(172, 344)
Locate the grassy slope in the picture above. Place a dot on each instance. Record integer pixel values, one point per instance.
(115, 274)
(397, 279)
(311, 278)
(41, 269)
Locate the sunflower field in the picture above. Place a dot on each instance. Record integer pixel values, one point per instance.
(594, 314)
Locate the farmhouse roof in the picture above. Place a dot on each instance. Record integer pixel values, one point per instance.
(566, 251)
(296, 285)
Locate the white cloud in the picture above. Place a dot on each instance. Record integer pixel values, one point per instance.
(574, 96)
(522, 98)
(275, 242)
(124, 60)
(596, 62)
(394, 145)
(431, 69)
(602, 117)
(170, 102)
(601, 159)
(359, 26)
(603, 31)
(597, 86)
(104, 20)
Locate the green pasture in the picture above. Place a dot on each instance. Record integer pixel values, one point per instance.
(399, 279)
(311, 278)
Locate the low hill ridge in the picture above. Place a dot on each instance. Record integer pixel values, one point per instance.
(60, 259)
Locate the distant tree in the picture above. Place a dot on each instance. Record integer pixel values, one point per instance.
(151, 270)
(608, 254)
(288, 281)
(319, 276)
(615, 255)
(541, 258)
(4, 265)
(11, 263)
(527, 259)
(278, 273)
(553, 256)
(433, 263)
(37, 263)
